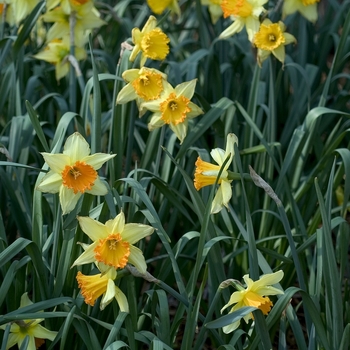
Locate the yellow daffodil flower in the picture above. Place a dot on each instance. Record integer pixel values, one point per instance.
(74, 172)
(244, 13)
(113, 242)
(214, 9)
(150, 41)
(66, 5)
(145, 84)
(86, 15)
(93, 286)
(159, 6)
(255, 294)
(174, 108)
(307, 8)
(271, 38)
(31, 328)
(7, 7)
(206, 174)
(22, 8)
(57, 52)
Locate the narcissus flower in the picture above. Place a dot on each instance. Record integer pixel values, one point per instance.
(159, 6)
(74, 172)
(207, 173)
(150, 41)
(87, 18)
(57, 52)
(145, 84)
(113, 242)
(244, 13)
(255, 294)
(93, 286)
(6, 12)
(214, 9)
(31, 328)
(307, 8)
(174, 108)
(22, 8)
(271, 38)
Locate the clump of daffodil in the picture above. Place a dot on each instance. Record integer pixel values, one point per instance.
(21, 9)
(22, 328)
(174, 108)
(244, 13)
(214, 9)
(207, 173)
(145, 84)
(93, 286)
(57, 52)
(159, 6)
(151, 41)
(113, 242)
(86, 16)
(307, 8)
(74, 172)
(255, 294)
(271, 38)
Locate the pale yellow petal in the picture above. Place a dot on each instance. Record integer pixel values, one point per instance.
(117, 225)
(93, 228)
(132, 233)
(137, 259)
(68, 199)
(121, 299)
(76, 147)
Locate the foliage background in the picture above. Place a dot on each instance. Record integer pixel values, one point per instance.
(292, 125)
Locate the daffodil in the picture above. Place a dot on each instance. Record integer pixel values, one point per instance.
(159, 6)
(22, 8)
(22, 328)
(150, 41)
(113, 242)
(67, 5)
(74, 172)
(307, 8)
(145, 84)
(271, 38)
(207, 173)
(87, 18)
(93, 286)
(174, 107)
(6, 12)
(214, 9)
(244, 13)
(57, 52)
(255, 294)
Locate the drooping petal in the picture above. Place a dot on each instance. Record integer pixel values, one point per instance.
(234, 28)
(280, 53)
(236, 297)
(68, 199)
(121, 299)
(135, 232)
(155, 122)
(217, 203)
(180, 130)
(252, 27)
(108, 295)
(76, 147)
(137, 259)
(93, 228)
(226, 190)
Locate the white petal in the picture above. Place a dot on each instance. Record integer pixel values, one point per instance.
(121, 299)
(93, 228)
(98, 189)
(68, 199)
(56, 162)
(218, 155)
(132, 233)
(76, 147)
(50, 183)
(98, 159)
(137, 259)
(117, 225)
